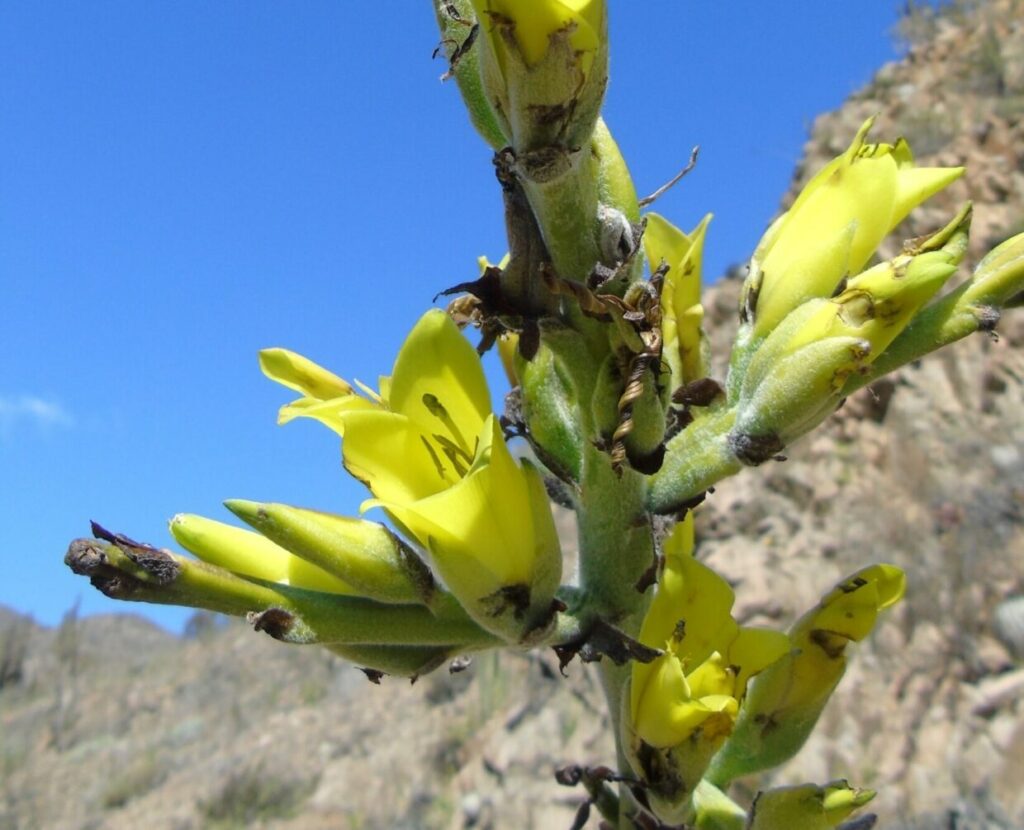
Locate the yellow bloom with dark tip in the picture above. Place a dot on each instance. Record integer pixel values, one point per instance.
(786, 700)
(434, 457)
(835, 225)
(708, 658)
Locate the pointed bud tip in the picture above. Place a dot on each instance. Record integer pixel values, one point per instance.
(243, 508)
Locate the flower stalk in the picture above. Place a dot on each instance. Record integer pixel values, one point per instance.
(612, 413)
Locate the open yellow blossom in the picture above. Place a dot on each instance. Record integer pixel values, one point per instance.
(708, 658)
(433, 456)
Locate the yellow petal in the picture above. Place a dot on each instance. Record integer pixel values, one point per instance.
(302, 374)
(483, 532)
(327, 412)
(712, 677)
(681, 540)
(691, 600)
(508, 345)
(653, 702)
(250, 554)
(683, 253)
(438, 382)
(916, 184)
(753, 650)
(390, 454)
(682, 314)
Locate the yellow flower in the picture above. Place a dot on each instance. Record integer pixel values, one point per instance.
(786, 700)
(682, 706)
(684, 345)
(796, 375)
(708, 658)
(434, 458)
(835, 225)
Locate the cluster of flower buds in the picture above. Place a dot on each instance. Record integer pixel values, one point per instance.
(692, 726)
(480, 563)
(812, 317)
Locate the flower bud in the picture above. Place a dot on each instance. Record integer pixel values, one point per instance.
(795, 378)
(714, 810)
(807, 806)
(365, 555)
(684, 345)
(252, 555)
(545, 66)
(999, 277)
(550, 406)
(785, 700)
(835, 225)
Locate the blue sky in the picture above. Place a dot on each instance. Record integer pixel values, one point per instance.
(183, 183)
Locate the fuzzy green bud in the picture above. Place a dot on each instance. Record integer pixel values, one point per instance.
(999, 277)
(551, 408)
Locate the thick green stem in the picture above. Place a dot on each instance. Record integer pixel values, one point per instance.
(566, 210)
(566, 204)
(695, 459)
(616, 542)
(616, 548)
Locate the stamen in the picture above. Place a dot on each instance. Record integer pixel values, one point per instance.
(434, 458)
(454, 453)
(436, 408)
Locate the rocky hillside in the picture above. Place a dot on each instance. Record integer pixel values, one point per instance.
(111, 723)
